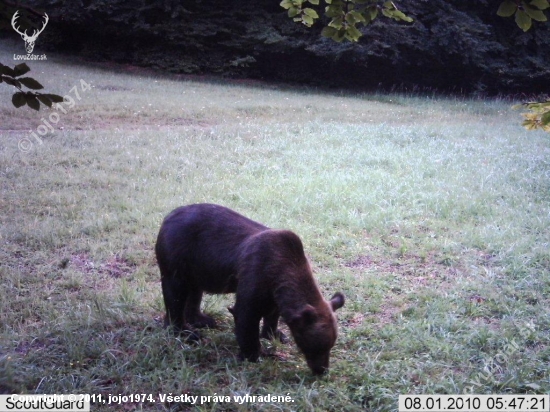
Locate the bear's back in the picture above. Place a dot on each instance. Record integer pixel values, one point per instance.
(202, 243)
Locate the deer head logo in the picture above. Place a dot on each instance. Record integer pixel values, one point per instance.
(29, 40)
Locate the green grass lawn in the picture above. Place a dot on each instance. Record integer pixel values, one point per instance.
(431, 215)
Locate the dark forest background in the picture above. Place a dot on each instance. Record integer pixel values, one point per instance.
(453, 45)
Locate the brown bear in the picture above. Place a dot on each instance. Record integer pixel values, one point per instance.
(210, 248)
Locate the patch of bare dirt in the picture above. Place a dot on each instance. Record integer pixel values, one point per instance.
(411, 273)
(25, 347)
(83, 263)
(415, 270)
(116, 266)
(356, 321)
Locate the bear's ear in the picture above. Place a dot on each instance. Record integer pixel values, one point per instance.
(305, 317)
(337, 301)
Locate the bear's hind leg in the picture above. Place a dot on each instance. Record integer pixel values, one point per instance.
(175, 296)
(193, 314)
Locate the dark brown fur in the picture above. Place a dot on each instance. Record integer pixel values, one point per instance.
(209, 248)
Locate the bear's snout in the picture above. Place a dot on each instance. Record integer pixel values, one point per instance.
(319, 363)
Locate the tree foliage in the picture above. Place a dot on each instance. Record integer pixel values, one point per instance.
(345, 15)
(524, 12)
(538, 117)
(13, 76)
(31, 98)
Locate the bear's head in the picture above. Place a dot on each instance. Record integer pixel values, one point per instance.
(315, 330)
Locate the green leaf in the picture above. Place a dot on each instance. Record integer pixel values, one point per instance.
(507, 8)
(311, 13)
(334, 11)
(32, 101)
(529, 124)
(395, 14)
(307, 20)
(373, 12)
(44, 99)
(31, 83)
(21, 69)
(354, 17)
(8, 71)
(358, 16)
(286, 4)
(12, 82)
(336, 22)
(350, 19)
(399, 15)
(340, 35)
(293, 11)
(54, 98)
(540, 4)
(329, 32)
(535, 14)
(18, 99)
(545, 118)
(523, 20)
(352, 33)
(315, 2)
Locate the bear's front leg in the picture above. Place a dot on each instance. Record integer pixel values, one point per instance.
(247, 330)
(269, 328)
